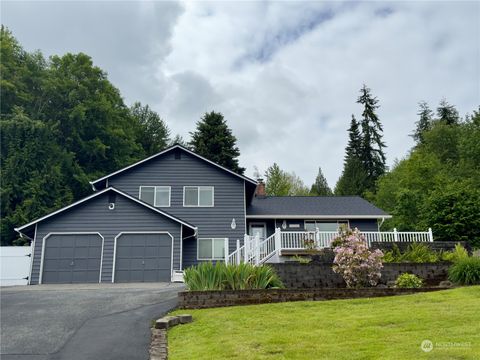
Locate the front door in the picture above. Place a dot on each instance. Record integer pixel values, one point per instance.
(259, 229)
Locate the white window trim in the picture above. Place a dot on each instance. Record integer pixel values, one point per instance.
(339, 221)
(155, 194)
(198, 199)
(225, 240)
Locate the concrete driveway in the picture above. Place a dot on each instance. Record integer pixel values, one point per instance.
(98, 321)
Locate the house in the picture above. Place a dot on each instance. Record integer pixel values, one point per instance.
(152, 219)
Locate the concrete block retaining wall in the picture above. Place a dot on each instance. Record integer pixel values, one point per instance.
(208, 299)
(317, 275)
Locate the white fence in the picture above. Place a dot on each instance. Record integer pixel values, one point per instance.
(256, 252)
(14, 265)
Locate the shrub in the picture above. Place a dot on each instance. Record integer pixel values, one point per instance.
(421, 253)
(358, 265)
(455, 255)
(415, 253)
(207, 276)
(407, 280)
(465, 271)
(204, 276)
(344, 232)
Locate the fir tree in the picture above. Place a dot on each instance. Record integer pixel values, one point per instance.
(447, 113)
(353, 180)
(372, 155)
(354, 146)
(320, 186)
(424, 123)
(214, 140)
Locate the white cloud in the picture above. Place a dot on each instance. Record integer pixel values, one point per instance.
(285, 75)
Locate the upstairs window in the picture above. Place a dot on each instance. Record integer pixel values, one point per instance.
(158, 196)
(198, 196)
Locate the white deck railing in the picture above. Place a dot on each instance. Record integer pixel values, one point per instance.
(257, 251)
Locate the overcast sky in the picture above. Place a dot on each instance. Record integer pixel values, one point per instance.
(285, 75)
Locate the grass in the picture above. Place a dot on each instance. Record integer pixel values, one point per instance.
(378, 328)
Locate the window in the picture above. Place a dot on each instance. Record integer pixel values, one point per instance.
(211, 249)
(313, 225)
(198, 196)
(158, 196)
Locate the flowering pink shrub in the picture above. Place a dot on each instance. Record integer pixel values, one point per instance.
(359, 266)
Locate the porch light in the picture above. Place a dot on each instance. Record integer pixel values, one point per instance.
(233, 225)
(284, 224)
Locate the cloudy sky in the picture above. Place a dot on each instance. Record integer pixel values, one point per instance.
(285, 75)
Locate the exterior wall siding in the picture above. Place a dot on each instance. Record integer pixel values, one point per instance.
(361, 224)
(188, 170)
(94, 216)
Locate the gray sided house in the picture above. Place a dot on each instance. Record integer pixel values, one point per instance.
(154, 218)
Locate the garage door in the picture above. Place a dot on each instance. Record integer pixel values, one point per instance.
(72, 258)
(143, 258)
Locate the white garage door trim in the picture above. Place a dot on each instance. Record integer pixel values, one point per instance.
(44, 240)
(139, 232)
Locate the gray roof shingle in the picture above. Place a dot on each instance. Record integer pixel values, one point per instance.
(314, 205)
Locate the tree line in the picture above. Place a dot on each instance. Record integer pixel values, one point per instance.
(62, 123)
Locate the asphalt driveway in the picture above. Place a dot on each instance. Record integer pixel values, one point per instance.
(98, 321)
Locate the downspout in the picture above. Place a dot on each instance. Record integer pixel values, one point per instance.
(93, 186)
(381, 223)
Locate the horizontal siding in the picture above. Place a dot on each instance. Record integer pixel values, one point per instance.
(361, 224)
(189, 170)
(94, 216)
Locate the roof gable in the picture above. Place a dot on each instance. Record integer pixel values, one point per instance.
(171, 148)
(21, 229)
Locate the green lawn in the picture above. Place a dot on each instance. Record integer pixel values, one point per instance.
(379, 328)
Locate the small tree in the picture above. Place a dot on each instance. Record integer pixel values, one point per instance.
(447, 113)
(424, 122)
(320, 186)
(214, 140)
(359, 266)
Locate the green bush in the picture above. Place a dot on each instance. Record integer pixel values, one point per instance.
(465, 271)
(415, 253)
(455, 255)
(207, 276)
(407, 280)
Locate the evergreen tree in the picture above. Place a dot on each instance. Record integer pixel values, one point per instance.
(354, 145)
(214, 140)
(277, 181)
(372, 155)
(447, 113)
(36, 173)
(353, 179)
(320, 186)
(153, 133)
(424, 123)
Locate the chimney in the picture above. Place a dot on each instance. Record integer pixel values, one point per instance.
(260, 190)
